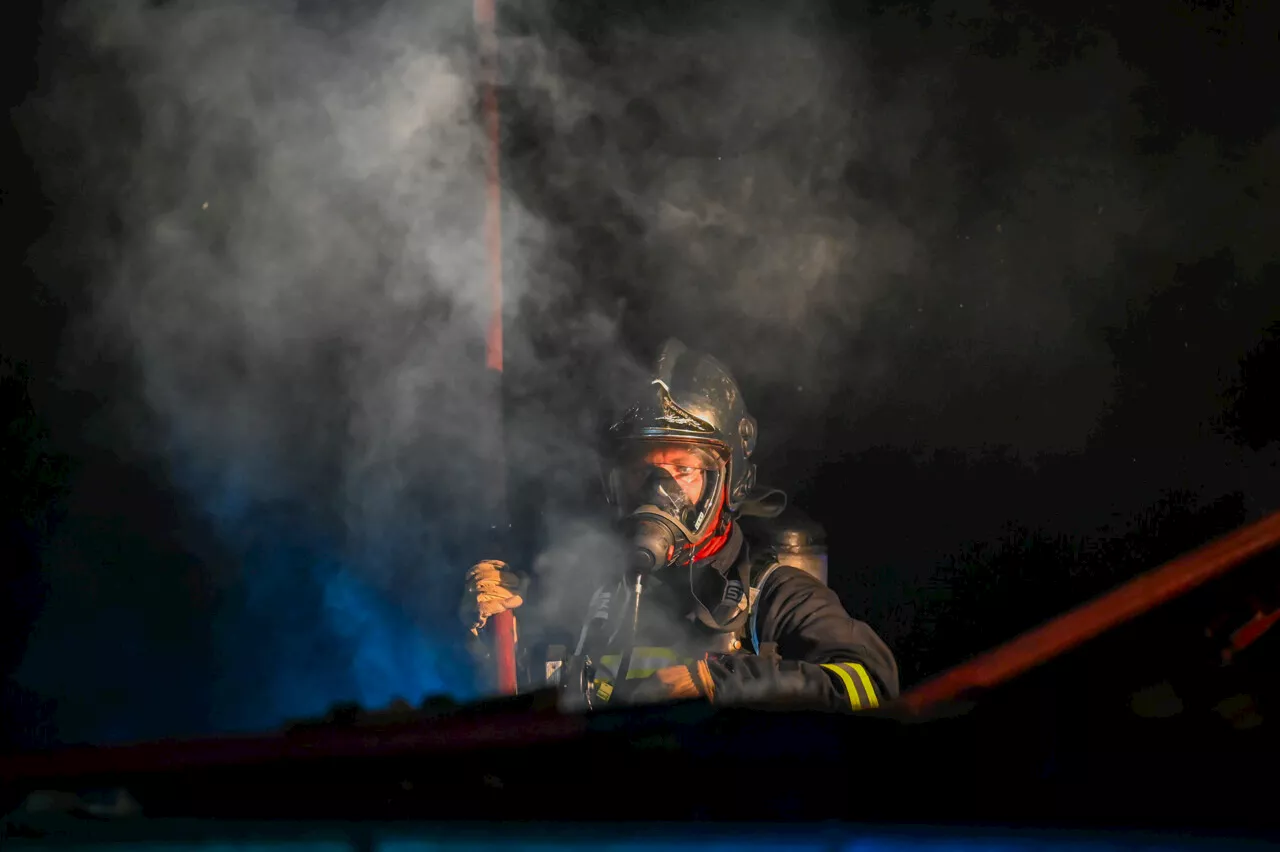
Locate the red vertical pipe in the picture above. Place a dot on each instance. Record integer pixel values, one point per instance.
(486, 25)
(503, 625)
(504, 649)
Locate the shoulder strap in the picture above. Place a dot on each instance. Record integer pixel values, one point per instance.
(757, 585)
(730, 614)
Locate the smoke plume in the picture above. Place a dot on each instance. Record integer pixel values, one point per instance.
(288, 253)
(276, 210)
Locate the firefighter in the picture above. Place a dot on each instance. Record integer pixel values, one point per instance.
(717, 619)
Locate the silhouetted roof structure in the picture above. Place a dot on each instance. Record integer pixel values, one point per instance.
(1153, 712)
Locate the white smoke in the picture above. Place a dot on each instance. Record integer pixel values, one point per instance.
(294, 268)
(303, 210)
(278, 208)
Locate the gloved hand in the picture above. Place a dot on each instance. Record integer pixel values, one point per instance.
(673, 684)
(732, 680)
(492, 587)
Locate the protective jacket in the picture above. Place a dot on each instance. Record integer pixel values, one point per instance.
(772, 635)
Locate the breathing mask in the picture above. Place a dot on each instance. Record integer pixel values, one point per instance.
(668, 495)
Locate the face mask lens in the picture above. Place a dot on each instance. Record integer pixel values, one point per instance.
(678, 482)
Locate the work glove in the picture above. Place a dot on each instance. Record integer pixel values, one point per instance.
(673, 683)
(732, 680)
(491, 587)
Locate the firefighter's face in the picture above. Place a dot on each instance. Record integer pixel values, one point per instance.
(680, 481)
(685, 467)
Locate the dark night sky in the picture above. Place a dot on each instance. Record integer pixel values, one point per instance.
(999, 280)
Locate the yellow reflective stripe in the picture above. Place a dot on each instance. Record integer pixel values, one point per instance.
(645, 661)
(643, 652)
(872, 700)
(847, 672)
(611, 662)
(632, 672)
(849, 688)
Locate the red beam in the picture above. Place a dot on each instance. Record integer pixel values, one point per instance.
(1085, 622)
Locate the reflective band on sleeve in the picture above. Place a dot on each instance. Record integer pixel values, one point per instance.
(857, 684)
(850, 690)
(872, 700)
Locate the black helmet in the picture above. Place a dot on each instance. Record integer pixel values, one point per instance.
(690, 397)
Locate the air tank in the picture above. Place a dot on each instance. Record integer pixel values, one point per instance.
(798, 539)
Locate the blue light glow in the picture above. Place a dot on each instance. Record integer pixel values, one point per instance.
(305, 627)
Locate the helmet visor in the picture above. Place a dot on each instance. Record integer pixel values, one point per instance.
(682, 482)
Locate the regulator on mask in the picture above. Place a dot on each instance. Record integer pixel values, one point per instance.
(667, 495)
